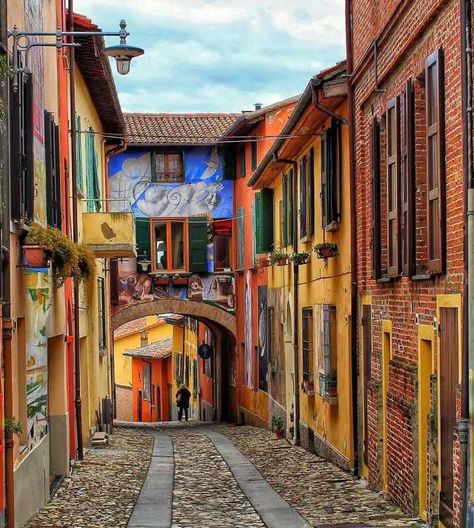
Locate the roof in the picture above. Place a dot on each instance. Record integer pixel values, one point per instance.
(157, 350)
(95, 68)
(176, 129)
(332, 84)
(249, 120)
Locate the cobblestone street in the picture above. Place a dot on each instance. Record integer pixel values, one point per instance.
(212, 485)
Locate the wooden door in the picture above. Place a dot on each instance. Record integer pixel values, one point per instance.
(448, 379)
(140, 406)
(367, 358)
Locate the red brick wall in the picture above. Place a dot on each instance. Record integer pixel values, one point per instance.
(418, 28)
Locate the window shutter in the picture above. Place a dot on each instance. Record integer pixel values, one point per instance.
(326, 334)
(284, 212)
(311, 192)
(16, 155)
(114, 281)
(333, 180)
(29, 151)
(197, 244)
(303, 199)
(376, 217)
(230, 171)
(79, 164)
(142, 231)
(264, 220)
(290, 207)
(48, 154)
(254, 232)
(434, 78)
(307, 337)
(393, 187)
(324, 178)
(241, 237)
(254, 154)
(242, 160)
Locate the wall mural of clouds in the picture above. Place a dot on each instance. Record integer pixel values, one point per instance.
(209, 55)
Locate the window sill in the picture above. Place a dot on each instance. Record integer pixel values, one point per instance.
(383, 280)
(332, 400)
(421, 277)
(333, 226)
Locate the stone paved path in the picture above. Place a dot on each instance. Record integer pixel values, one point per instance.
(206, 491)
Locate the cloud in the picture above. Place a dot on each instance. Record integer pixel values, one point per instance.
(212, 55)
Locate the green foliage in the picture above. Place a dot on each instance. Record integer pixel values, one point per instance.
(325, 246)
(277, 255)
(277, 422)
(13, 425)
(300, 258)
(86, 262)
(6, 70)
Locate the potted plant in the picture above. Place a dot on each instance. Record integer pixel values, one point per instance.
(263, 261)
(86, 267)
(326, 250)
(302, 257)
(308, 387)
(331, 384)
(277, 424)
(278, 257)
(35, 249)
(12, 426)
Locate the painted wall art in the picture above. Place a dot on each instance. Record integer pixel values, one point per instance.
(203, 191)
(263, 347)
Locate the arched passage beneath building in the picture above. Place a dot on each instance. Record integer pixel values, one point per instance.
(220, 322)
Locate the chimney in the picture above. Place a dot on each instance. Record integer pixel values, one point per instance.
(258, 106)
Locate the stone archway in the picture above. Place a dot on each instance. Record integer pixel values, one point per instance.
(200, 310)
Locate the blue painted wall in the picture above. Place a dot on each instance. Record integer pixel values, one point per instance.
(204, 190)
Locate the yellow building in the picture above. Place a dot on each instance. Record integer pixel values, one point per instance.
(129, 337)
(306, 174)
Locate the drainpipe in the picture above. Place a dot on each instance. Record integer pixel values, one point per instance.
(296, 270)
(75, 236)
(354, 291)
(468, 283)
(7, 325)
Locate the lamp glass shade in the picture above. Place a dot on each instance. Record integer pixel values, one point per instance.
(123, 54)
(123, 65)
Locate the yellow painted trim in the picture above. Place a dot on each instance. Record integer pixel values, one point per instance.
(386, 356)
(425, 369)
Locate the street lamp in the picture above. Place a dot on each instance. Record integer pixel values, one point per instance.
(123, 53)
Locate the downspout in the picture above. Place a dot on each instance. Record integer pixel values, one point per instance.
(354, 292)
(75, 236)
(468, 260)
(7, 325)
(296, 274)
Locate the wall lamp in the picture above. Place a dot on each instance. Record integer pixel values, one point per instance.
(22, 44)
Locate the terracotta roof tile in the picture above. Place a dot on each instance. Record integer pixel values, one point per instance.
(157, 350)
(177, 129)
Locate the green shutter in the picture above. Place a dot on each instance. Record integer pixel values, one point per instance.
(284, 212)
(197, 245)
(93, 189)
(240, 237)
(142, 231)
(264, 220)
(254, 232)
(310, 177)
(290, 207)
(79, 169)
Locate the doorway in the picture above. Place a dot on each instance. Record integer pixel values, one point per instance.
(158, 404)
(386, 355)
(140, 407)
(448, 380)
(366, 372)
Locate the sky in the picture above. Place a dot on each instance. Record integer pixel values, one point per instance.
(220, 55)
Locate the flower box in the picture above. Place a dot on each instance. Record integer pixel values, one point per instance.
(35, 256)
(282, 262)
(180, 281)
(301, 258)
(326, 250)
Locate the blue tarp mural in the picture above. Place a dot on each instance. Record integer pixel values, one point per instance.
(204, 190)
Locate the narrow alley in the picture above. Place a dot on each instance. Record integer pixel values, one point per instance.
(212, 476)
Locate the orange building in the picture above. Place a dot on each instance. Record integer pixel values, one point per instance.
(151, 377)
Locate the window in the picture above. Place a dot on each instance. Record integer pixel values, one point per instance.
(254, 154)
(21, 145)
(303, 199)
(92, 176)
(187, 371)
(169, 244)
(102, 314)
(326, 348)
(376, 215)
(167, 167)
(242, 161)
(331, 176)
(287, 210)
(264, 220)
(221, 252)
(179, 368)
(146, 381)
(272, 350)
(434, 79)
(393, 187)
(209, 339)
(408, 181)
(53, 177)
(307, 344)
(79, 165)
(240, 237)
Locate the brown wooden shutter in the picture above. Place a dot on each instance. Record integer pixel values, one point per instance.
(307, 338)
(434, 78)
(393, 187)
(408, 182)
(310, 177)
(376, 225)
(114, 282)
(303, 199)
(324, 178)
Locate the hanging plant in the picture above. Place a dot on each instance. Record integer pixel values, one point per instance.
(326, 250)
(300, 258)
(278, 257)
(86, 268)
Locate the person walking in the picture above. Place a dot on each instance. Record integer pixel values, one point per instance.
(182, 401)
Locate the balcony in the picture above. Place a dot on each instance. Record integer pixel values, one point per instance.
(110, 235)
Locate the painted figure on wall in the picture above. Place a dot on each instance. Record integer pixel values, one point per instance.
(203, 191)
(262, 338)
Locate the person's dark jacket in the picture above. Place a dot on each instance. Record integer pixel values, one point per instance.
(182, 397)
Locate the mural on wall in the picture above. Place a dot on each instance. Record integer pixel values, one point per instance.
(263, 348)
(204, 191)
(248, 333)
(34, 23)
(135, 286)
(38, 303)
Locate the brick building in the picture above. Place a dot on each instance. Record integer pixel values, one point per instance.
(408, 168)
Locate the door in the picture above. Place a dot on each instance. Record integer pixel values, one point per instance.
(140, 406)
(367, 350)
(158, 404)
(424, 401)
(448, 379)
